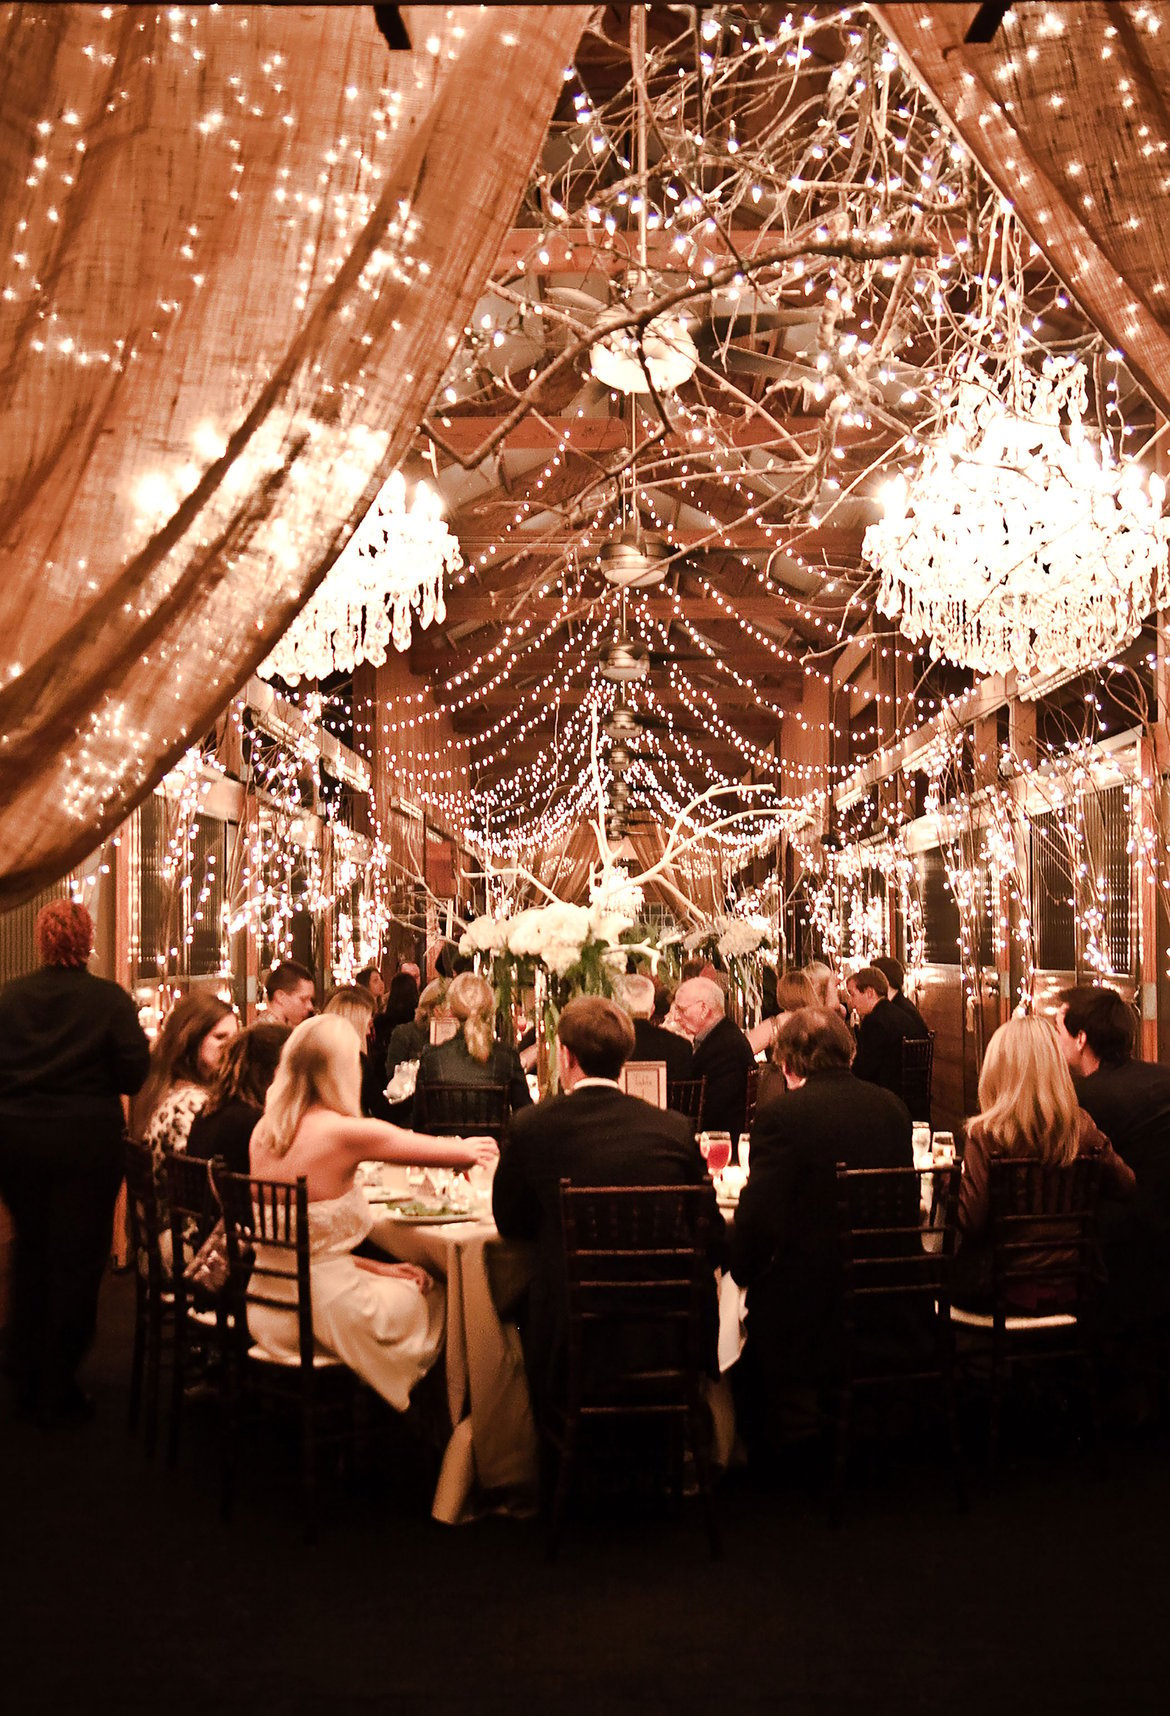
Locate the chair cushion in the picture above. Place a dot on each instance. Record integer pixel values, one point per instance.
(1015, 1325)
(321, 1361)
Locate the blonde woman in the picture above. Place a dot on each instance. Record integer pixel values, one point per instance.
(356, 1005)
(1027, 1107)
(472, 1055)
(824, 983)
(384, 1320)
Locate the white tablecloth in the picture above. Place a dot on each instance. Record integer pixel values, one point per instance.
(491, 1458)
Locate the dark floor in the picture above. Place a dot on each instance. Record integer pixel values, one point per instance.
(122, 1590)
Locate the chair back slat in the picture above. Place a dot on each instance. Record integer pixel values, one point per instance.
(686, 1096)
(896, 1231)
(917, 1074)
(753, 1095)
(142, 1205)
(192, 1205)
(1043, 1230)
(638, 1279)
(463, 1110)
(273, 1214)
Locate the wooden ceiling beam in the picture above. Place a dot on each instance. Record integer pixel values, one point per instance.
(490, 608)
(610, 434)
(842, 543)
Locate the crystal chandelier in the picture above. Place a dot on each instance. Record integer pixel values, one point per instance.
(394, 563)
(1023, 541)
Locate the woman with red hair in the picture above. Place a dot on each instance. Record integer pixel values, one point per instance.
(70, 1047)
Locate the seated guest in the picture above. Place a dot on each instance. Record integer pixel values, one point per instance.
(824, 982)
(356, 1005)
(663, 1002)
(793, 991)
(592, 1134)
(652, 1042)
(184, 1060)
(371, 978)
(70, 1046)
(894, 973)
(784, 1242)
(722, 1054)
(383, 1320)
(1130, 1102)
(472, 1055)
(430, 1021)
(292, 993)
(1027, 1107)
(881, 1028)
(235, 1102)
(399, 1004)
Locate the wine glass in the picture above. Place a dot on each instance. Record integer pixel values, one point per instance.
(718, 1152)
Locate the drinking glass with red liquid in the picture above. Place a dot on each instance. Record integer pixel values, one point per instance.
(717, 1152)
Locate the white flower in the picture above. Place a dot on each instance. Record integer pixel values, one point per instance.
(738, 939)
(560, 956)
(524, 934)
(563, 922)
(484, 935)
(608, 924)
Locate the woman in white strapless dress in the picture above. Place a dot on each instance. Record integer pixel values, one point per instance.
(384, 1320)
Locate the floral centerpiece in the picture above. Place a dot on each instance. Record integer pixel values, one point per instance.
(561, 950)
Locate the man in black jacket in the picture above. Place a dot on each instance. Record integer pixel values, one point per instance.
(894, 973)
(70, 1047)
(723, 1055)
(652, 1042)
(784, 1243)
(593, 1134)
(1130, 1101)
(880, 1030)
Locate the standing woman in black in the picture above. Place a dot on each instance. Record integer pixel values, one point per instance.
(70, 1047)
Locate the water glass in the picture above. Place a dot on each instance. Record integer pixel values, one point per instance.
(745, 1154)
(920, 1145)
(943, 1149)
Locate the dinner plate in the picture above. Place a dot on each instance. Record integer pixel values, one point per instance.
(380, 1195)
(427, 1219)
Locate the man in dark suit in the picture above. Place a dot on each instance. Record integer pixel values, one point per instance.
(880, 1030)
(1130, 1101)
(722, 1055)
(593, 1134)
(784, 1243)
(894, 973)
(652, 1042)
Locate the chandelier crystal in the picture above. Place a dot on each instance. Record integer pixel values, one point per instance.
(392, 565)
(1023, 541)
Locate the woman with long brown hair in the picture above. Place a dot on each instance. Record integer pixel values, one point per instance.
(235, 1101)
(1027, 1108)
(183, 1063)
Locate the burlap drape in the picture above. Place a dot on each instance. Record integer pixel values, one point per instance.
(1065, 111)
(238, 246)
